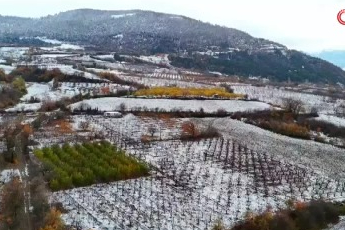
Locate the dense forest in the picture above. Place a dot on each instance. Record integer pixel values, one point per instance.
(277, 66)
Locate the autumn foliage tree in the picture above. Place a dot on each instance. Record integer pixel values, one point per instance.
(192, 131)
(25, 134)
(189, 130)
(105, 90)
(64, 127)
(53, 221)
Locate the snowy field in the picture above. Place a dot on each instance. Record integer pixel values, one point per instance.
(25, 107)
(275, 96)
(323, 158)
(339, 226)
(44, 92)
(156, 59)
(66, 69)
(59, 45)
(116, 72)
(340, 122)
(12, 52)
(161, 82)
(48, 56)
(170, 76)
(69, 70)
(194, 184)
(209, 106)
(160, 77)
(133, 127)
(106, 57)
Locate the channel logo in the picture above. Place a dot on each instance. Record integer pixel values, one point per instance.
(340, 20)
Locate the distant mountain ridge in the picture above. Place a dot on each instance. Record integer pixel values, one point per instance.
(226, 50)
(103, 27)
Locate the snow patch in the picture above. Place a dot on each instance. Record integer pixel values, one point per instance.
(216, 73)
(340, 122)
(71, 47)
(119, 36)
(62, 45)
(55, 55)
(25, 107)
(115, 16)
(156, 59)
(176, 17)
(50, 41)
(9, 174)
(339, 226)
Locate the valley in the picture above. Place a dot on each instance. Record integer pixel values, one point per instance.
(183, 145)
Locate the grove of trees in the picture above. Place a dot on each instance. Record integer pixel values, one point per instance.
(88, 163)
(187, 92)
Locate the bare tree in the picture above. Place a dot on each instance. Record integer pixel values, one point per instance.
(122, 107)
(10, 137)
(152, 130)
(208, 130)
(12, 198)
(294, 106)
(84, 125)
(340, 110)
(314, 111)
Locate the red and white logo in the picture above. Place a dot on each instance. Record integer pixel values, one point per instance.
(340, 20)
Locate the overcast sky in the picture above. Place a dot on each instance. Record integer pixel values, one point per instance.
(306, 25)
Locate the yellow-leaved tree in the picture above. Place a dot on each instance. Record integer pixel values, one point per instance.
(53, 220)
